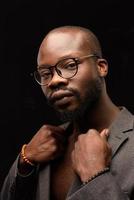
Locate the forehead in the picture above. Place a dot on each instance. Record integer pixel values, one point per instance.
(58, 45)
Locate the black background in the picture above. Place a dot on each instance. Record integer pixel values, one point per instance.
(23, 24)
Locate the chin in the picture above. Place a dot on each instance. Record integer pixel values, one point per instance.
(70, 113)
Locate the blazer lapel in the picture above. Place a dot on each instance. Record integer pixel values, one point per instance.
(119, 130)
(116, 142)
(74, 187)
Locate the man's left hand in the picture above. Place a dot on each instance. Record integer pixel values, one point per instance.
(91, 154)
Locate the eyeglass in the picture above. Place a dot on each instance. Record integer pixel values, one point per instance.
(66, 68)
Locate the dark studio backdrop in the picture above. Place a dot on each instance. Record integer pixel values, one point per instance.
(23, 24)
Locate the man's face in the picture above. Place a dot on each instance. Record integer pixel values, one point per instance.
(70, 97)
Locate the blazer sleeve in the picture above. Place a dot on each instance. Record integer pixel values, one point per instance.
(16, 186)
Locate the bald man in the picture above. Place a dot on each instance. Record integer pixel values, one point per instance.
(91, 155)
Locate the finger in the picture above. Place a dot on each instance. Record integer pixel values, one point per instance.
(104, 133)
(93, 131)
(54, 128)
(55, 131)
(59, 137)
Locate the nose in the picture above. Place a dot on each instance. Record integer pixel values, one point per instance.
(57, 80)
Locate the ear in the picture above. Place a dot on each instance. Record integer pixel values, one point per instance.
(102, 67)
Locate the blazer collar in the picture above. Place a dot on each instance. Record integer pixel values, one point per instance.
(119, 129)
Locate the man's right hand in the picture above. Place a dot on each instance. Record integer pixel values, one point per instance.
(46, 145)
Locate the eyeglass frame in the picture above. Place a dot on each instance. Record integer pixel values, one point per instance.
(76, 60)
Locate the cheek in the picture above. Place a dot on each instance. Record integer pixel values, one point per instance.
(86, 73)
(83, 79)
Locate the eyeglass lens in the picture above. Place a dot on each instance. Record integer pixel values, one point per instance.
(66, 68)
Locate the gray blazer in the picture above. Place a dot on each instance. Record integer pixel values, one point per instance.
(117, 184)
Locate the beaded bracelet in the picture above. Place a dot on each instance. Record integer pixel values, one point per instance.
(26, 160)
(106, 169)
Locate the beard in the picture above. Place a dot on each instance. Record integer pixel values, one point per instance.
(92, 94)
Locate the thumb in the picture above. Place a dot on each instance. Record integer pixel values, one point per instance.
(104, 133)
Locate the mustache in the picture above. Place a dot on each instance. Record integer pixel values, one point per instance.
(71, 90)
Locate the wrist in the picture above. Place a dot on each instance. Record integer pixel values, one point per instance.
(25, 166)
(103, 171)
(24, 157)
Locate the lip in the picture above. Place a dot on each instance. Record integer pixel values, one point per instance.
(60, 95)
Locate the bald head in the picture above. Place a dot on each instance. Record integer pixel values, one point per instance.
(89, 38)
(68, 36)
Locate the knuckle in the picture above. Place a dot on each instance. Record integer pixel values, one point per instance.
(54, 148)
(46, 130)
(49, 133)
(53, 141)
(80, 137)
(93, 131)
(45, 126)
